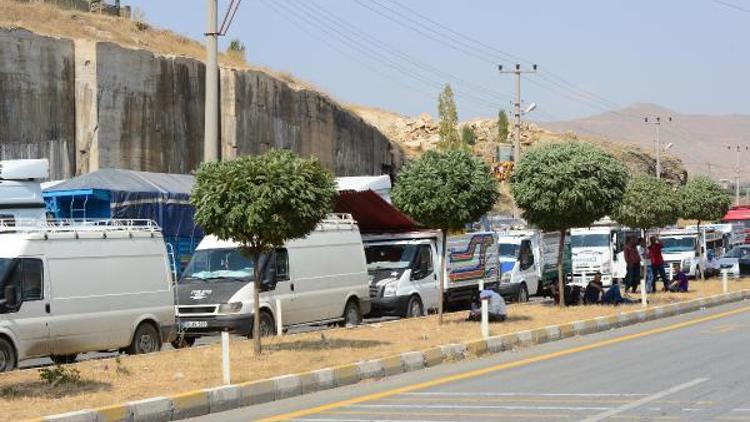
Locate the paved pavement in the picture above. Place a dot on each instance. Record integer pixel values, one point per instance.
(651, 371)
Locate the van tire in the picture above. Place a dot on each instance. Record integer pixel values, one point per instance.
(523, 294)
(7, 356)
(63, 359)
(352, 313)
(414, 308)
(145, 340)
(267, 325)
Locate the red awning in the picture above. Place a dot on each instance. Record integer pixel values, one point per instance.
(737, 213)
(372, 212)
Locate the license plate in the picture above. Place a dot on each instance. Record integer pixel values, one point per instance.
(194, 324)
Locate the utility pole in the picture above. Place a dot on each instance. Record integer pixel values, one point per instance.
(738, 148)
(517, 105)
(211, 134)
(657, 120)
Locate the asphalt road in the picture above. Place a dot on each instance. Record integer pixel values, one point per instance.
(691, 367)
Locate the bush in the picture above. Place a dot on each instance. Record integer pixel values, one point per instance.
(60, 375)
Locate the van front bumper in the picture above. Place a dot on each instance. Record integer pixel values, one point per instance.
(388, 306)
(194, 326)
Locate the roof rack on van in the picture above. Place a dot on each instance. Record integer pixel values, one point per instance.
(76, 226)
(338, 221)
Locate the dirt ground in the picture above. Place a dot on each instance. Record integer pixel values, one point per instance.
(109, 381)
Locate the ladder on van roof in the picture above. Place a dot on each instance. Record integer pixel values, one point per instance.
(78, 226)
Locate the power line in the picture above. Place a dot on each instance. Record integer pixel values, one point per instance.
(731, 5)
(234, 5)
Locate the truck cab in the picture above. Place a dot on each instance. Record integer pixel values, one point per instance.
(20, 189)
(599, 249)
(520, 258)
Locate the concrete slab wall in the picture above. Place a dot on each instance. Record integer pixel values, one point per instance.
(90, 105)
(37, 99)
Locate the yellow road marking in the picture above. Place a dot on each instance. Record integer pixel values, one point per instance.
(592, 400)
(496, 368)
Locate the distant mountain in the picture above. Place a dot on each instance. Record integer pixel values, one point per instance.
(699, 140)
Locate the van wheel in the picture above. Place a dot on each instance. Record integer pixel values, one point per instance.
(352, 314)
(267, 325)
(523, 294)
(183, 342)
(414, 308)
(145, 340)
(63, 359)
(7, 356)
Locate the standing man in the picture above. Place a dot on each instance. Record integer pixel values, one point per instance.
(633, 261)
(646, 262)
(657, 262)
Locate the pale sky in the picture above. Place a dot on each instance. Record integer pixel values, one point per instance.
(688, 55)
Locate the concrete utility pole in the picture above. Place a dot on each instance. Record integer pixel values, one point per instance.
(517, 105)
(211, 134)
(657, 120)
(738, 148)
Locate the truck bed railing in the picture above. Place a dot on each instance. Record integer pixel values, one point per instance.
(11, 225)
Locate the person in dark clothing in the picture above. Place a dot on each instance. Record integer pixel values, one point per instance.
(680, 283)
(633, 261)
(657, 262)
(594, 290)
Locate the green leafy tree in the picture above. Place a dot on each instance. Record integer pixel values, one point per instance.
(468, 136)
(260, 202)
(502, 126)
(704, 200)
(236, 48)
(445, 190)
(648, 203)
(567, 185)
(448, 119)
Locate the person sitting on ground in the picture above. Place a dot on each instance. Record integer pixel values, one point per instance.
(594, 290)
(496, 310)
(679, 282)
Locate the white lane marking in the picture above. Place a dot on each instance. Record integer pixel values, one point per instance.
(525, 394)
(470, 407)
(648, 399)
(740, 410)
(374, 420)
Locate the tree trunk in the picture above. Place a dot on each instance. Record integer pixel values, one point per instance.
(256, 304)
(560, 267)
(701, 260)
(443, 277)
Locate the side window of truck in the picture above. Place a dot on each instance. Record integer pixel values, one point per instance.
(526, 255)
(282, 265)
(32, 280)
(425, 258)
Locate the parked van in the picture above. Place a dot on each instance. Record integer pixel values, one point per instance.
(404, 270)
(683, 248)
(20, 189)
(69, 289)
(319, 279)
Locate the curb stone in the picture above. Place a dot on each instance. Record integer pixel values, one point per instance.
(213, 400)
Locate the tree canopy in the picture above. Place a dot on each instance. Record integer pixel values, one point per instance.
(704, 200)
(445, 190)
(647, 203)
(468, 137)
(502, 126)
(261, 201)
(447, 126)
(564, 185)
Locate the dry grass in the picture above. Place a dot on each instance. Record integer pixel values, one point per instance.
(108, 381)
(51, 21)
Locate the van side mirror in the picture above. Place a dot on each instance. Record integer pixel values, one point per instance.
(12, 301)
(268, 282)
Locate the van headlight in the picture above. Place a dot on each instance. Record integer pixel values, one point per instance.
(390, 289)
(230, 308)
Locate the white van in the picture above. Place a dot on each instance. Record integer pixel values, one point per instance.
(521, 261)
(74, 288)
(321, 278)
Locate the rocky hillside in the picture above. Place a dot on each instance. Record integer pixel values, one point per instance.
(419, 134)
(92, 91)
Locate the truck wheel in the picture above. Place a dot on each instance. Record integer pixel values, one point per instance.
(267, 325)
(352, 314)
(183, 342)
(414, 308)
(145, 340)
(523, 294)
(7, 356)
(63, 359)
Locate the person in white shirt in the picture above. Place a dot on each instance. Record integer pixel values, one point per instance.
(497, 311)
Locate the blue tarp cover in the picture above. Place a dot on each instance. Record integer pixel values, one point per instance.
(161, 197)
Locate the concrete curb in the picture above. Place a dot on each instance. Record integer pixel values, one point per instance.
(219, 399)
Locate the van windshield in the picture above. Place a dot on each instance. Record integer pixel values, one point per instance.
(389, 257)
(508, 250)
(218, 265)
(589, 240)
(677, 244)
